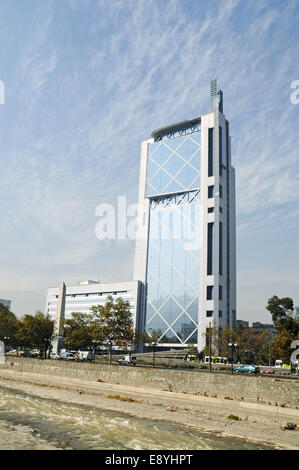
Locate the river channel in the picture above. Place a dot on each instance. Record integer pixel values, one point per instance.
(32, 423)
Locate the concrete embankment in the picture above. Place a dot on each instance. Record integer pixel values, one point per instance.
(200, 400)
(256, 390)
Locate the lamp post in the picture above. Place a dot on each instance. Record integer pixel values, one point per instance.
(153, 343)
(5, 338)
(233, 347)
(46, 346)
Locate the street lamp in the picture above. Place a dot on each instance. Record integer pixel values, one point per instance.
(4, 339)
(233, 347)
(46, 346)
(153, 343)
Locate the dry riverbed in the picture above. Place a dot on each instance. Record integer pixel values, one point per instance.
(184, 409)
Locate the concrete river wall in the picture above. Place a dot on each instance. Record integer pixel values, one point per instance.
(254, 389)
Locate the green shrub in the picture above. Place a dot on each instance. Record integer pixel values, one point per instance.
(236, 418)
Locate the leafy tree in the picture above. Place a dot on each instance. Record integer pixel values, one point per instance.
(114, 322)
(281, 346)
(287, 327)
(78, 331)
(9, 325)
(251, 344)
(281, 310)
(220, 338)
(36, 331)
(139, 338)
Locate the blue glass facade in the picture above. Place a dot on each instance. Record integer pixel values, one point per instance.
(173, 183)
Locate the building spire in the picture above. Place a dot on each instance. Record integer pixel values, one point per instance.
(216, 97)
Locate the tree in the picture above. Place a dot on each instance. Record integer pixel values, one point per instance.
(78, 331)
(9, 325)
(281, 346)
(251, 344)
(36, 331)
(114, 321)
(220, 337)
(139, 338)
(287, 327)
(281, 310)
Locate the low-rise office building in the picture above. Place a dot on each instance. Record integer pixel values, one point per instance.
(80, 297)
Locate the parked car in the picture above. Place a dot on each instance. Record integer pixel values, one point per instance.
(127, 360)
(67, 356)
(29, 354)
(54, 355)
(247, 369)
(85, 355)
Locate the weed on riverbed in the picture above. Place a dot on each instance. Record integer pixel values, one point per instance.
(118, 397)
(234, 417)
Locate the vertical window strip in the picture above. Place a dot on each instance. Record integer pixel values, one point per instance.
(220, 248)
(210, 152)
(210, 249)
(220, 150)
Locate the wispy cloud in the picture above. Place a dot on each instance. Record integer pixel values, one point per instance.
(93, 79)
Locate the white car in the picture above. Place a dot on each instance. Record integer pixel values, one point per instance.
(68, 356)
(54, 356)
(127, 360)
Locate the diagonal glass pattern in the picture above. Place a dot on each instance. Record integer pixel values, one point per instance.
(174, 165)
(173, 267)
(173, 182)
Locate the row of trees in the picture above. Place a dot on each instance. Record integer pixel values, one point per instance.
(31, 331)
(110, 325)
(254, 344)
(251, 343)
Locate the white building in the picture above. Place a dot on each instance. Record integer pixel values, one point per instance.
(186, 247)
(80, 297)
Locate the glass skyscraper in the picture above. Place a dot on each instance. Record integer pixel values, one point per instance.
(185, 248)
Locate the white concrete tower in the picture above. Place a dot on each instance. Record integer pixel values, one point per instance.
(186, 247)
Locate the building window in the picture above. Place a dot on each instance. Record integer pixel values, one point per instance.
(220, 190)
(227, 143)
(220, 292)
(210, 152)
(220, 150)
(220, 248)
(210, 210)
(209, 313)
(210, 249)
(210, 191)
(220, 209)
(209, 292)
(220, 313)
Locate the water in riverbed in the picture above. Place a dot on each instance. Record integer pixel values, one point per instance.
(28, 422)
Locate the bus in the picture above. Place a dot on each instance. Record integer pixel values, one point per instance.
(216, 360)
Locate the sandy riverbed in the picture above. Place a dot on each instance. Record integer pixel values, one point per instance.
(188, 410)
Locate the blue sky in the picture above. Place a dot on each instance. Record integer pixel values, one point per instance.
(87, 80)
